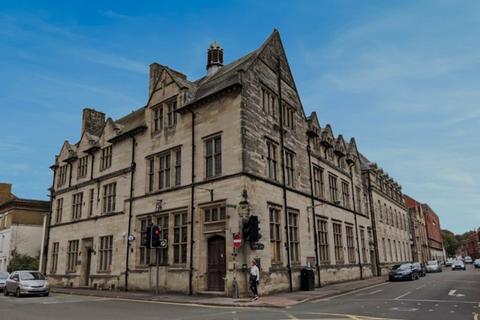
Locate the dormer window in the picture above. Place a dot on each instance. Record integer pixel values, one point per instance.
(82, 167)
(106, 160)
(171, 114)
(158, 118)
(62, 176)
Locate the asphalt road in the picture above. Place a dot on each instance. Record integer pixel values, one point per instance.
(451, 295)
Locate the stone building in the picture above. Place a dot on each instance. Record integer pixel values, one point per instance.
(418, 230)
(198, 159)
(22, 223)
(434, 234)
(389, 216)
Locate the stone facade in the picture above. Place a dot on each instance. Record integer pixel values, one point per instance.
(420, 250)
(391, 223)
(199, 159)
(21, 226)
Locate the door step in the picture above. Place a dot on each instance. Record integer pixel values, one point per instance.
(212, 293)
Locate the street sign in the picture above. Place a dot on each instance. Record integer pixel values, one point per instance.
(237, 241)
(257, 246)
(163, 243)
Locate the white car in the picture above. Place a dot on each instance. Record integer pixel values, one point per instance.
(476, 263)
(468, 259)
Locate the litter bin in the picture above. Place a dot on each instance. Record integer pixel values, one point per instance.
(307, 279)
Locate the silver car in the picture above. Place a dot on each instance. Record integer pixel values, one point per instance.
(27, 282)
(433, 266)
(3, 279)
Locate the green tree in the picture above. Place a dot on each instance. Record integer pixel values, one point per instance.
(451, 242)
(22, 262)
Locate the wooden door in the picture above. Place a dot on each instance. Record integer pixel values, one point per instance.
(87, 266)
(216, 263)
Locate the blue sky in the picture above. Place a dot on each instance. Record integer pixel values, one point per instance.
(403, 77)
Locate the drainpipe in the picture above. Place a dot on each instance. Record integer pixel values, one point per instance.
(91, 169)
(70, 175)
(356, 224)
(47, 231)
(133, 166)
(284, 185)
(374, 225)
(192, 209)
(312, 200)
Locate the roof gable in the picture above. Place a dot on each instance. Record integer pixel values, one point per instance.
(271, 52)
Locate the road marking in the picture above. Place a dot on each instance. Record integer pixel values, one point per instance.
(370, 293)
(404, 309)
(349, 293)
(351, 316)
(453, 294)
(75, 301)
(421, 287)
(403, 295)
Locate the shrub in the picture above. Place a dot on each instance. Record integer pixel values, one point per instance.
(22, 262)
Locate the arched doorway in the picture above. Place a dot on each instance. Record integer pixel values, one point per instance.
(216, 263)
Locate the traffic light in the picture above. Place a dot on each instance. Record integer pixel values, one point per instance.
(155, 236)
(147, 236)
(251, 230)
(255, 235)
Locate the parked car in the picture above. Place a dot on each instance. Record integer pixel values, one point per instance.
(27, 282)
(476, 263)
(449, 262)
(458, 264)
(3, 279)
(420, 267)
(468, 259)
(434, 266)
(404, 271)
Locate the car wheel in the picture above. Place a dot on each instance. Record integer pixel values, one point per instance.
(17, 293)
(46, 294)
(5, 292)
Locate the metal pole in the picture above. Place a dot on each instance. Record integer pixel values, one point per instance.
(158, 271)
(234, 282)
(133, 166)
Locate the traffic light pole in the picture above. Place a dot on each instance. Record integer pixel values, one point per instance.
(157, 251)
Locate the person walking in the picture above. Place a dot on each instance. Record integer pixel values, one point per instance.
(254, 279)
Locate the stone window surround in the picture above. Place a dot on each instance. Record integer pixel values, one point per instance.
(152, 176)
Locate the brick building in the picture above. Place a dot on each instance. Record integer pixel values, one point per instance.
(418, 229)
(434, 235)
(472, 244)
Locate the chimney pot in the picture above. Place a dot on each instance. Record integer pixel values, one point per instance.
(214, 58)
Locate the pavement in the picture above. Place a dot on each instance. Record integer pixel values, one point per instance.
(279, 300)
(451, 295)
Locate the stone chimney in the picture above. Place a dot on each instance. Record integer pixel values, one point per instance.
(155, 69)
(5, 192)
(93, 121)
(214, 58)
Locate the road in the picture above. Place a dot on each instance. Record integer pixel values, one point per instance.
(452, 295)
